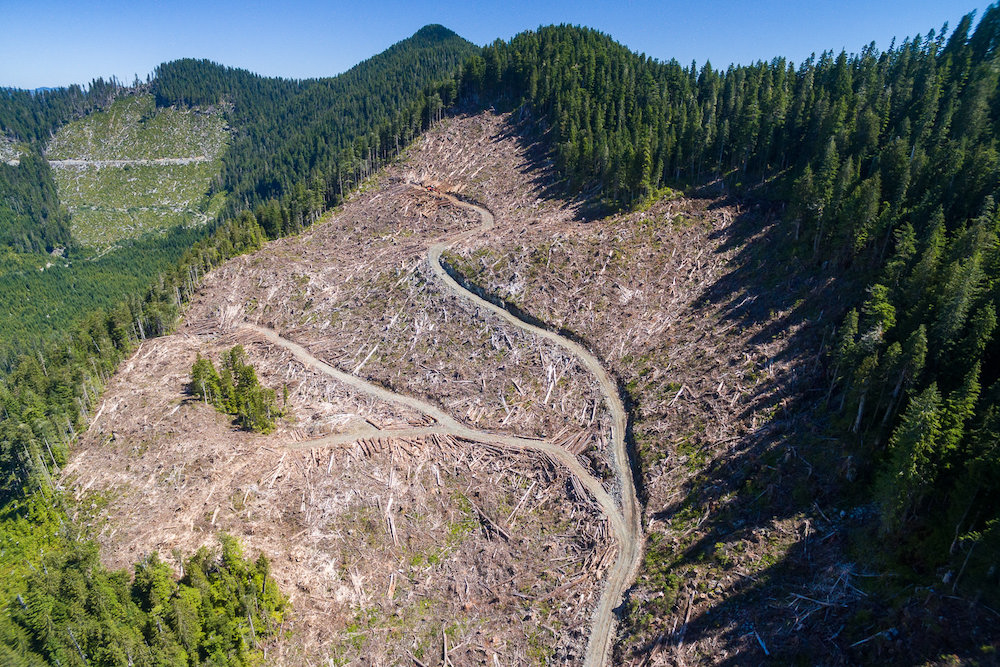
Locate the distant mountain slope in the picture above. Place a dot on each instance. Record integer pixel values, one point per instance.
(31, 219)
(296, 141)
(34, 115)
(135, 169)
(318, 130)
(133, 129)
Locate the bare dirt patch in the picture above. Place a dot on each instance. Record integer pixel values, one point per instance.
(391, 548)
(357, 291)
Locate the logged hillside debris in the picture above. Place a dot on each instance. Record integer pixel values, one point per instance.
(432, 567)
(715, 329)
(655, 295)
(11, 151)
(134, 169)
(715, 339)
(382, 543)
(804, 381)
(326, 289)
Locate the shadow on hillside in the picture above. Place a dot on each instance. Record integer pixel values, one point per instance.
(781, 470)
(784, 492)
(784, 474)
(532, 136)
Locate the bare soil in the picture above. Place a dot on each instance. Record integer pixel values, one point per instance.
(713, 330)
(716, 348)
(357, 291)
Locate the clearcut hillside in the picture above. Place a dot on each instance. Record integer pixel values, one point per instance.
(134, 169)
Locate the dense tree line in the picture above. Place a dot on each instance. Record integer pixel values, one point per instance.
(40, 303)
(889, 164)
(34, 116)
(236, 390)
(31, 217)
(61, 606)
(49, 393)
(75, 612)
(298, 146)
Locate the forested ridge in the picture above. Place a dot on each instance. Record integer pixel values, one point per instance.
(297, 147)
(31, 218)
(31, 116)
(64, 607)
(305, 143)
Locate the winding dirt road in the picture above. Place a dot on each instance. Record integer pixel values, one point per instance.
(629, 532)
(623, 516)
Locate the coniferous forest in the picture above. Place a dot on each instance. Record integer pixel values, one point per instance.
(300, 145)
(887, 165)
(64, 607)
(297, 147)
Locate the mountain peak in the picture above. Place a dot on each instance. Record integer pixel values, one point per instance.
(435, 32)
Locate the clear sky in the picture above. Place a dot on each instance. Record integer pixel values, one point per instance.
(58, 42)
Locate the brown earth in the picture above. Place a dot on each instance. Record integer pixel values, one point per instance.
(356, 290)
(755, 547)
(716, 344)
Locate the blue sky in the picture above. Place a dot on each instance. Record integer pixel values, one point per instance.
(57, 42)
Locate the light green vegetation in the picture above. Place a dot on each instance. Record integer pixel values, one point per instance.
(134, 129)
(113, 202)
(109, 204)
(10, 150)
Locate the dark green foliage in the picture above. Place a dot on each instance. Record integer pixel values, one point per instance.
(327, 135)
(31, 219)
(32, 116)
(38, 302)
(73, 612)
(298, 146)
(62, 604)
(49, 392)
(889, 163)
(236, 391)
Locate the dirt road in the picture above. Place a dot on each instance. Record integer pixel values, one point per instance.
(623, 517)
(446, 425)
(148, 162)
(629, 529)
